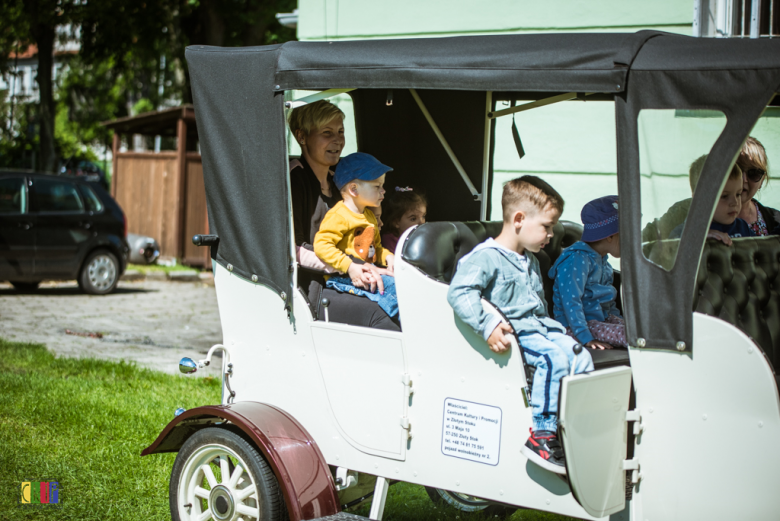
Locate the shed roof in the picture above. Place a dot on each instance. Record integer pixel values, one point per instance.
(156, 123)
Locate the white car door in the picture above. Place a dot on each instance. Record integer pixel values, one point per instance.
(592, 419)
(364, 371)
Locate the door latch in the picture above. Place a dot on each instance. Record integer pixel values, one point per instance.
(407, 426)
(636, 417)
(408, 384)
(633, 466)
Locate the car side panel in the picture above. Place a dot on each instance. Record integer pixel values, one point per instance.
(17, 236)
(710, 424)
(17, 246)
(62, 241)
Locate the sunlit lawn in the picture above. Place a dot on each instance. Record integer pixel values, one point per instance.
(84, 422)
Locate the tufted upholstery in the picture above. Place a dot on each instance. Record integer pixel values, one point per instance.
(739, 284)
(435, 248)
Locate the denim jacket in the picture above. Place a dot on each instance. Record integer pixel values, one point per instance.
(582, 289)
(511, 281)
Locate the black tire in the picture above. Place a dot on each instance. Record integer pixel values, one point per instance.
(206, 448)
(464, 503)
(25, 287)
(99, 273)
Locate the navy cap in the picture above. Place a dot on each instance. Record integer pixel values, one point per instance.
(358, 166)
(600, 218)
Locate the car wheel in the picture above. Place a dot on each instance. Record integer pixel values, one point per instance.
(466, 503)
(219, 475)
(25, 287)
(100, 273)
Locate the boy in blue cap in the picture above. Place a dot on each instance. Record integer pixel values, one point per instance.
(583, 294)
(348, 238)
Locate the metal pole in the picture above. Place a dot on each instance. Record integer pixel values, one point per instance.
(755, 16)
(696, 19)
(380, 496)
(486, 158)
(325, 94)
(742, 18)
(446, 146)
(534, 104)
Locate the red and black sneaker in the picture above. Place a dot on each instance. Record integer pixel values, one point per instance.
(544, 449)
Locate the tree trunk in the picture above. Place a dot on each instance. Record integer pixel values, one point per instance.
(44, 35)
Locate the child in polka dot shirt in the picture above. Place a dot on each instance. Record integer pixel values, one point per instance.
(583, 294)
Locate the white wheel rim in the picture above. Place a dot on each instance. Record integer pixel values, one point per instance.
(101, 272)
(207, 488)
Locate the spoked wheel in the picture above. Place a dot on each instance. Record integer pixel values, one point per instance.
(219, 475)
(466, 503)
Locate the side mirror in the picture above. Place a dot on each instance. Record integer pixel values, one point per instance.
(187, 365)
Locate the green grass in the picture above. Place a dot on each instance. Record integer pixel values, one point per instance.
(84, 422)
(407, 502)
(151, 268)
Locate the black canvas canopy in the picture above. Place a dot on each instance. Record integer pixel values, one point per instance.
(239, 102)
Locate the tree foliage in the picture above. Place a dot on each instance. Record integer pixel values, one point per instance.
(131, 55)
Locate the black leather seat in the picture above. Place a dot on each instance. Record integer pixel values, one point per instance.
(739, 284)
(436, 247)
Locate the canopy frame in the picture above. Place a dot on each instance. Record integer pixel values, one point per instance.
(239, 100)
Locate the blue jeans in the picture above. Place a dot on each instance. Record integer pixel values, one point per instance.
(388, 302)
(552, 355)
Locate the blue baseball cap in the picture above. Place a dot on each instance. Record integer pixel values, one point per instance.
(600, 218)
(359, 165)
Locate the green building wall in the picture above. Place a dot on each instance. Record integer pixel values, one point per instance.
(571, 144)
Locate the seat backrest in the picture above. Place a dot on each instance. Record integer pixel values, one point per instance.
(436, 247)
(739, 284)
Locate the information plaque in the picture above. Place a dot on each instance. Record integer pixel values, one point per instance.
(471, 431)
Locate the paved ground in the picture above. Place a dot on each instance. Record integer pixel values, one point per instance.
(152, 323)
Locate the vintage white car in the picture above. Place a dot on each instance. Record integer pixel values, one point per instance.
(683, 425)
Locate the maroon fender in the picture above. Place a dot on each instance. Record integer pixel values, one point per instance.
(294, 456)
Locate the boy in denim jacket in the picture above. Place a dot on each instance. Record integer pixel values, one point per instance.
(501, 271)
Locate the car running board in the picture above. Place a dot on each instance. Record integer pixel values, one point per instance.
(341, 516)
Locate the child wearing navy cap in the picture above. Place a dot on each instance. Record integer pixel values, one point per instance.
(348, 238)
(583, 294)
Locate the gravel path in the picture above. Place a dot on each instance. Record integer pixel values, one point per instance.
(152, 323)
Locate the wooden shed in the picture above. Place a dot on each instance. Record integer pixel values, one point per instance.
(162, 193)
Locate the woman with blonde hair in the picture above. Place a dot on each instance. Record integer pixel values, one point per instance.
(753, 162)
(319, 130)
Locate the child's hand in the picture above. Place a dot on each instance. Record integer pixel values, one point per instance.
(376, 278)
(366, 276)
(391, 264)
(383, 271)
(721, 236)
(497, 341)
(361, 276)
(595, 344)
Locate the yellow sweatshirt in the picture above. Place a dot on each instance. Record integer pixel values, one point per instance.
(336, 238)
